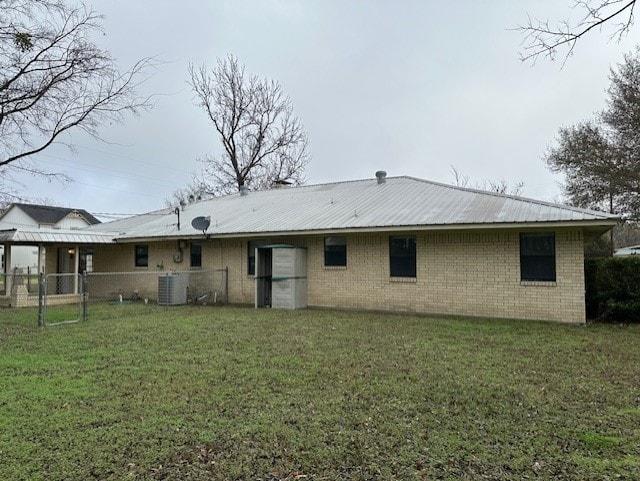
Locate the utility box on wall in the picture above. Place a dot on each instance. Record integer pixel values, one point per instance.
(281, 277)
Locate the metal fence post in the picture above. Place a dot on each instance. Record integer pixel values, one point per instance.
(84, 296)
(166, 290)
(226, 285)
(41, 294)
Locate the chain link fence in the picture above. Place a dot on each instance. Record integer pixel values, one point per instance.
(63, 298)
(27, 277)
(161, 287)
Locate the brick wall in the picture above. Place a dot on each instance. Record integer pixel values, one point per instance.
(458, 273)
(466, 273)
(143, 281)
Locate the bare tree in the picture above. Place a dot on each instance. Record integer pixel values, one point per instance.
(498, 187)
(459, 179)
(188, 195)
(545, 39)
(54, 80)
(263, 142)
(6, 199)
(626, 234)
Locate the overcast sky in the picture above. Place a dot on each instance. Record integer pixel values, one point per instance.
(410, 87)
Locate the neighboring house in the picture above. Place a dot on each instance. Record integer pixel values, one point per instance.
(25, 216)
(45, 217)
(627, 251)
(389, 244)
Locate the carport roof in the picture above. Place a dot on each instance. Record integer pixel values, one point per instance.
(54, 236)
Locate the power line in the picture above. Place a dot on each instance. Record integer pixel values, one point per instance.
(136, 178)
(118, 190)
(120, 214)
(131, 158)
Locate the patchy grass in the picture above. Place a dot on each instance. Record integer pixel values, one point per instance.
(141, 392)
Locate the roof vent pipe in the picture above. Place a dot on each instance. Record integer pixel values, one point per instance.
(280, 184)
(244, 190)
(382, 176)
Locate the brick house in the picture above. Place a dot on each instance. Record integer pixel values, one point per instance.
(392, 244)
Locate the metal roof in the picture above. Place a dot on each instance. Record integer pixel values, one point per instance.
(55, 236)
(399, 203)
(627, 251)
(46, 214)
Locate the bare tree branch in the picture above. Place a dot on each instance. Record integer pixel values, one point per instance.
(541, 39)
(192, 193)
(499, 187)
(459, 179)
(55, 80)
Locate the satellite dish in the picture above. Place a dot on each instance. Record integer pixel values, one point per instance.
(201, 223)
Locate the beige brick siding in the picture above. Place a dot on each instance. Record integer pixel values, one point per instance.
(458, 273)
(467, 273)
(143, 280)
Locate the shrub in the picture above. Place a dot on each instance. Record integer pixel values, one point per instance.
(613, 289)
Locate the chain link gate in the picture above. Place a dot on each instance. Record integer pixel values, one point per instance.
(64, 298)
(70, 294)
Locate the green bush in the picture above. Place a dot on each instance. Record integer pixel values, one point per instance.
(601, 247)
(613, 289)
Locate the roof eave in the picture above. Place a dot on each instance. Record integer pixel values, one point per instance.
(163, 238)
(600, 224)
(18, 237)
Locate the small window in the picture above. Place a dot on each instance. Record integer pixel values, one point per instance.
(85, 262)
(251, 255)
(335, 251)
(142, 256)
(402, 256)
(196, 254)
(538, 256)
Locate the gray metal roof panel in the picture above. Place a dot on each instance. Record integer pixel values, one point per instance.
(37, 236)
(365, 204)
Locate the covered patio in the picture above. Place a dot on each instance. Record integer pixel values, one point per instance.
(59, 252)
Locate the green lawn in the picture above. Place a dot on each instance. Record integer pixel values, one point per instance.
(204, 393)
